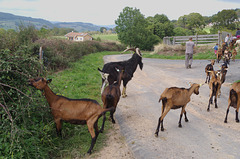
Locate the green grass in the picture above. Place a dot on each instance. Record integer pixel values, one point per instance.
(106, 37)
(82, 80)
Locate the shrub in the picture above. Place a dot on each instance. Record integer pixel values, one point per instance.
(59, 53)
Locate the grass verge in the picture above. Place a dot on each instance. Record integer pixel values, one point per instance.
(82, 80)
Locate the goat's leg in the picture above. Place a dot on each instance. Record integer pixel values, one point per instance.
(58, 123)
(215, 100)
(111, 115)
(90, 124)
(225, 121)
(103, 123)
(206, 79)
(185, 114)
(124, 92)
(210, 99)
(180, 119)
(160, 121)
(237, 110)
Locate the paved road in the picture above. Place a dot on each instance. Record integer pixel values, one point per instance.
(204, 136)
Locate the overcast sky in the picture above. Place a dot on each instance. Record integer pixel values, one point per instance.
(105, 12)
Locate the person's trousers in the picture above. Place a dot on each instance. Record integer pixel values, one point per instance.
(188, 59)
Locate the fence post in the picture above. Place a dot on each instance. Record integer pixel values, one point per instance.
(174, 40)
(40, 60)
(196, 39)
(219, 38)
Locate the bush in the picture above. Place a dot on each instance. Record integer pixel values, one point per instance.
(23, 113)
(59, 53)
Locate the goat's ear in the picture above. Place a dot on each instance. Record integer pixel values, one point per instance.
(49, 81)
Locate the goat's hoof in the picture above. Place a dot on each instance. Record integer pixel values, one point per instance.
(156, 134)
(89, 152)
(113, 122)
(162, 129)
(216, 106)
(225, 121)
(100, 131)
(208, 109)
(237, 120)
(124, 95)
(180, 126)
(186, 120)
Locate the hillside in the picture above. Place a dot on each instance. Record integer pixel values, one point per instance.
(11, 21)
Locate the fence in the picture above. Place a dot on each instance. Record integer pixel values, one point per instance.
(198, 39)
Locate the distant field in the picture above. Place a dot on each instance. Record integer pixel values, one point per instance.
(106, 37)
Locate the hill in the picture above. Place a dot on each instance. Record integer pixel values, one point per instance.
(11, 21)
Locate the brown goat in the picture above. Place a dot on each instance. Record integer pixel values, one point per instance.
(215, 86)
(234, 100)
(208, 68)
(219, 54)
(111, 96)
(234, 54)
(74, 111)
(174, 98)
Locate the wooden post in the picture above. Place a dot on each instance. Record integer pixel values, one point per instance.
(219, 38)
(40, 60)
(196, 39)
(174, 40)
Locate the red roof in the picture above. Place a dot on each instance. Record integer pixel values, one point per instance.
(73, 34)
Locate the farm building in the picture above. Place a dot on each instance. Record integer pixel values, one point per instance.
(78, 36)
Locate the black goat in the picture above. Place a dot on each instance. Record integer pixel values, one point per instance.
(129, 66)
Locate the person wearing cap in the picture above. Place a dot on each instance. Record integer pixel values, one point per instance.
(189, 53)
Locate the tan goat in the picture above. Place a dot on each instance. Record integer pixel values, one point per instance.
(174, 98)
(234, 100)
(215, 86)
(208, 68)
(234, 54)
(74, 111)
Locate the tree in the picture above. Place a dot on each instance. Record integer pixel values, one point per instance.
(182, 21)
(160, 25)
(103, 29)
(225, 19)
(132, 29)
(195, 21)
(161, 18)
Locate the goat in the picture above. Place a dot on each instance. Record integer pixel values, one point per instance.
(111, 96)
(215, 86)
(234, 100)
(208, 68)
(223, 72)
(174, 98)
(74, 111)
(234, 53)
(128, 66)
(219, 54)
(227, 56)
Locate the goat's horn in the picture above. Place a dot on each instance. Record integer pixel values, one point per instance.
(132, 49)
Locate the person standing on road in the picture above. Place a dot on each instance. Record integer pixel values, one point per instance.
(189, 53)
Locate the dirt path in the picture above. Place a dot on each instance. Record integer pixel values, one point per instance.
(204, 136)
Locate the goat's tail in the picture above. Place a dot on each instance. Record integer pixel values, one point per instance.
(110, 100)
(106, 110)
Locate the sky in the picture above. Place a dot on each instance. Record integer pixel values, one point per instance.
(105, 12)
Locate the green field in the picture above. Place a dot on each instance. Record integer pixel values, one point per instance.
(106, 37)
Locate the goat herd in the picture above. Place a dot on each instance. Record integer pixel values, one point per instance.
(88, 111)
